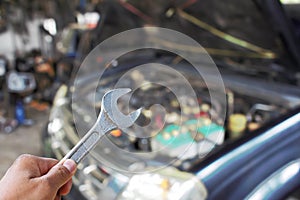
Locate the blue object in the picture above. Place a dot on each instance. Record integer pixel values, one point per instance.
(20, 112)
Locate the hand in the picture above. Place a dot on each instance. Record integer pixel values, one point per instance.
(36, 178)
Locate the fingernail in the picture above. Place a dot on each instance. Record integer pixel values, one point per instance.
(70, 165)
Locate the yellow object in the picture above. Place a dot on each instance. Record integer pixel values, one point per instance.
(165, 184)
(237, 124)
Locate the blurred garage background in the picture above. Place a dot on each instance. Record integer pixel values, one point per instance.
(255, 45)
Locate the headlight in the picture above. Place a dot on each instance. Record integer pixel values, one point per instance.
(168, 183)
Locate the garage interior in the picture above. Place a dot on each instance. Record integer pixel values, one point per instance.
(236, 123)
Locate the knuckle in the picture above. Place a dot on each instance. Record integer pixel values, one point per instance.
(23, 158)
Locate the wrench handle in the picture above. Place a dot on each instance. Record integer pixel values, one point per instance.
(83, 147)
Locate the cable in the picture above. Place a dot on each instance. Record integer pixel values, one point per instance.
(135, 11)
(232, 39)
(212, 51)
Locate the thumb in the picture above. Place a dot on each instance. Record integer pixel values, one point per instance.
(61, 173)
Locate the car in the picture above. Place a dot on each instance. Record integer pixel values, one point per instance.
(234, 136)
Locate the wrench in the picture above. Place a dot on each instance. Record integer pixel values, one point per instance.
(110, 118)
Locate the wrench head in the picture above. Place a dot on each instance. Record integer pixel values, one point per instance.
(110, 108)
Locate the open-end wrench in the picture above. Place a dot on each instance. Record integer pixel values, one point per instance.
(110, 117)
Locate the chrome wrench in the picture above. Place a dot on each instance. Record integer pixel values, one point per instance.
(110, 118)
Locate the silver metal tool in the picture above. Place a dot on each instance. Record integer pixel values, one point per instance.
(110, 118)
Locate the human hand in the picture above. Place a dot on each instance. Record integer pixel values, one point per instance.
(36, 178)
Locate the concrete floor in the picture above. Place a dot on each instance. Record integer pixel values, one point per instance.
(22, 140)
